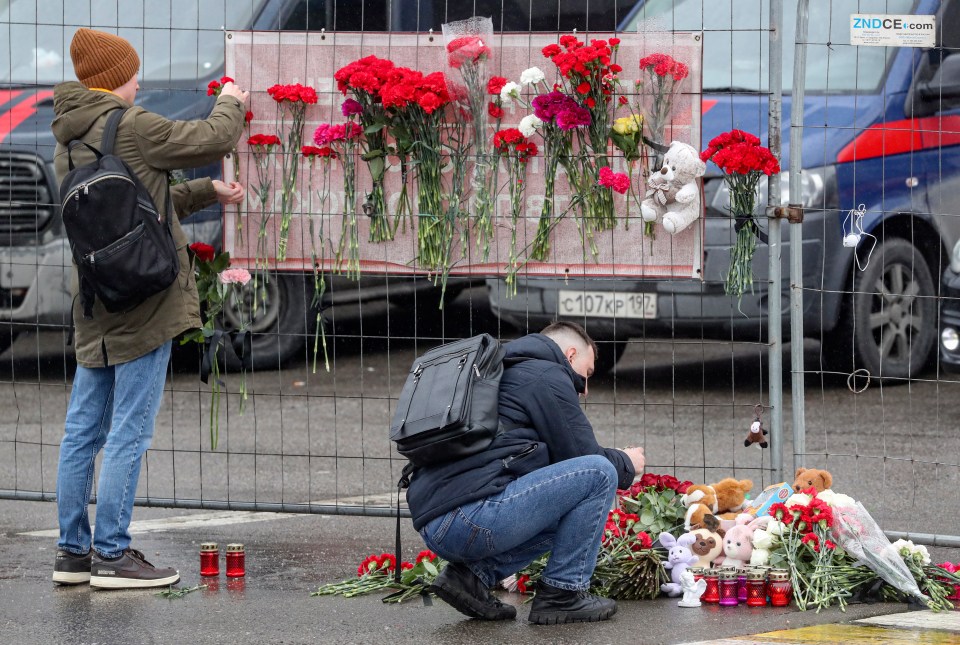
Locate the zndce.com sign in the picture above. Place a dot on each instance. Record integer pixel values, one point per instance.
(883, 30)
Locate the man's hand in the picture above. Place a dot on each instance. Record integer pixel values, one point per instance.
(231, 89)
(636, 456)
(231, 193)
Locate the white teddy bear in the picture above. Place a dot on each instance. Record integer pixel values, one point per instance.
(673, 192)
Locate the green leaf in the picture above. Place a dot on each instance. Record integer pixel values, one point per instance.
(430, 567)
(372, 154)
(373, 128)
(648, 518)
(377, 167)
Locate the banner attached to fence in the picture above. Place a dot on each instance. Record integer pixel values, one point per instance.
(300, 218)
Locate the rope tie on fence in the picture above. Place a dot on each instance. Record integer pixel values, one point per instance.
(851, 382)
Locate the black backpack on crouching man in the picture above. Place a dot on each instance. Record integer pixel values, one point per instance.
(123, 249)
(449, 406)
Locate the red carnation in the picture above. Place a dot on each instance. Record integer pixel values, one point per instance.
(495, 110)
(495, 84)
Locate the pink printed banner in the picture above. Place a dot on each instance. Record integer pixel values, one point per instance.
(258, 60)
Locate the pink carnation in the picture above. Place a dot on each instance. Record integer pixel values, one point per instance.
(234, 276)
(615, 180)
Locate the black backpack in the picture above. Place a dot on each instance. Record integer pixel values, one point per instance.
(123, 250)
(449, 408)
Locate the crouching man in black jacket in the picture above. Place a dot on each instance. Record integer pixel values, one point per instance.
(544, 485)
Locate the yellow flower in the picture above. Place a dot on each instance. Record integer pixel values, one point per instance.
(628, 124)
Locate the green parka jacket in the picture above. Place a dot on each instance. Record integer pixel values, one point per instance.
(153, 146)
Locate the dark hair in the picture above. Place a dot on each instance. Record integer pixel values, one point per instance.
(564, 328)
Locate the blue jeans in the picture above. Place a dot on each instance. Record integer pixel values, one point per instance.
(114, 409)
(561, 508)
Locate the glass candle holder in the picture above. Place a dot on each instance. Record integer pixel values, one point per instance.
(236, 561)
(711, 594)
(742, 585)
(779, 587)
(728, 589)
(209, 559)
(697, 573)
(756, 588)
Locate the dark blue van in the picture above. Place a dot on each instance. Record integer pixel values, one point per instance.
(881, 129)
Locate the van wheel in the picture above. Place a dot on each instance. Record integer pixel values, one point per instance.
(888, 325)
(275, 312)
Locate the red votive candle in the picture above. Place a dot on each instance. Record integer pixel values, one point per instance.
(209, 559)
(711, 594)
(236, 565)
(756, 588)
(779, 588)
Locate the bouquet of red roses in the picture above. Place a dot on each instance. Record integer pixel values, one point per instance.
(743, 161)
(655, 500)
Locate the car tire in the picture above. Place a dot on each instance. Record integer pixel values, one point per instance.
(278, 315)
(888, 324)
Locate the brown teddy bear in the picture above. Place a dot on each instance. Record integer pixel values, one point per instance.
(722, 499)
(807, 478)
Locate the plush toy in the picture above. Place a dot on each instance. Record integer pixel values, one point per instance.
(722, 499)
(738, 542)
(673, 192)
(679, 558)
(757, 432)
(707, 547)
(807, 478)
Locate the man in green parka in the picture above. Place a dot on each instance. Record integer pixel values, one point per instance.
(122, 357)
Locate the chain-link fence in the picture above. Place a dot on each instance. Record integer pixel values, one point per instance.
(682, 365)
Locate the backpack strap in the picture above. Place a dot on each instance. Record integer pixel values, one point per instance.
(110, 131)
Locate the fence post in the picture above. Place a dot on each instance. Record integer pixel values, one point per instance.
(796, 236)
(774, 308)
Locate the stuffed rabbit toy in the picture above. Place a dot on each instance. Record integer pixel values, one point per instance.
(738, 541)
(679, 558)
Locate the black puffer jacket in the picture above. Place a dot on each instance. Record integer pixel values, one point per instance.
(539, 399)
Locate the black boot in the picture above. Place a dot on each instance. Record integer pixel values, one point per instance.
(460, 588)
(552, 606)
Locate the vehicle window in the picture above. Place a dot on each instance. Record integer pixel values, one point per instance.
(735, 41)
(178, 40)
(420, 15)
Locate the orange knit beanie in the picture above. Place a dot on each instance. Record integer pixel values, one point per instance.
(103, 60)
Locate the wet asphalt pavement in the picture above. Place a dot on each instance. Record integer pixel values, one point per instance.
(287, 558)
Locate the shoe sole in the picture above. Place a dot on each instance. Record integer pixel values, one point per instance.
(105, 582)
(461, 604)
(68, 578)
(563, 617)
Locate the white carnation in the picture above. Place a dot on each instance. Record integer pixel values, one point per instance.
(509, 92)
(531, 76)
(800, 499)
(529, 124)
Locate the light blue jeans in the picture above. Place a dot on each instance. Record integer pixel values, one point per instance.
(561, 508)
(114, 409)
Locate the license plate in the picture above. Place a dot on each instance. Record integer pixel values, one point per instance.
(607, 304)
